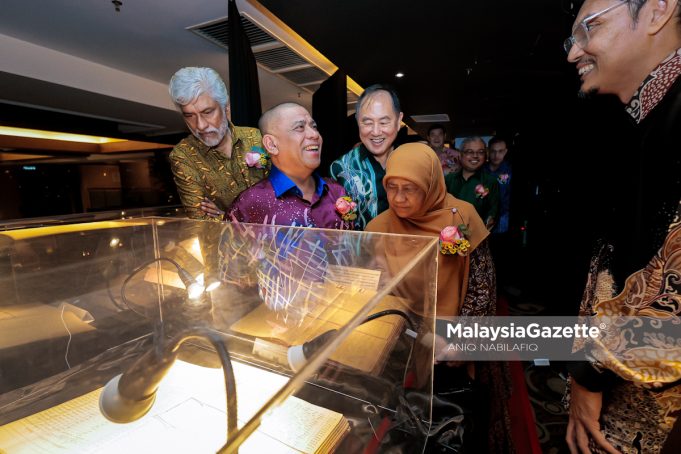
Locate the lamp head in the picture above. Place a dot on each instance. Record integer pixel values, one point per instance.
(194, 288)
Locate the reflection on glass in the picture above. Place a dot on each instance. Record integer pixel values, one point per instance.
(267, 289)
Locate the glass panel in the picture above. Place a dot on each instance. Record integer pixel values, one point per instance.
(327, 332)
(174, 211)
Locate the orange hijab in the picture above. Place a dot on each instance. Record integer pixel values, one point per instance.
(419, 164)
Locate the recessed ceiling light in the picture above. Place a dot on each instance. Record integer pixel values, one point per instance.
(399, 75)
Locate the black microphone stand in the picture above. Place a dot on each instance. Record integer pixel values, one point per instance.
(129, 396)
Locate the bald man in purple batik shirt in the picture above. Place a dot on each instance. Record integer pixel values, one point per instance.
(293, 194)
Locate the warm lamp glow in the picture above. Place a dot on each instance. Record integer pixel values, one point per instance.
(53, 135)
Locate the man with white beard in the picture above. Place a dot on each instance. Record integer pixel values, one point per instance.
(212, 162)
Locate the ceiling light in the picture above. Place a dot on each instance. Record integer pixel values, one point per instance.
(431, 118)
(53, 135)
(399, 75)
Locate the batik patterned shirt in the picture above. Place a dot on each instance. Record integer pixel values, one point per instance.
(654, 87)
(277, 200)
(202, 171)
(362, 177)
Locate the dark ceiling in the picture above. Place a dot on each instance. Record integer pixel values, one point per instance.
(493, 66)
(483, 62)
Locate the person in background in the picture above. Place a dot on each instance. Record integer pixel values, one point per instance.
(501, 244)
(500, 168)
(449, 157)
(472, 184)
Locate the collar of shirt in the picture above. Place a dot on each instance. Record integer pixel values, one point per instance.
(364, 153)
(283, 184)
(654, 87)
(476, 175)
(237, 133)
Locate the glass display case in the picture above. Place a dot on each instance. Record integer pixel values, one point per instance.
(172, 335)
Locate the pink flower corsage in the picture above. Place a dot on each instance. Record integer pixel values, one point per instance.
(257, 158)
(503, 178)
(346, 208)
(453, 240)
(481, 191)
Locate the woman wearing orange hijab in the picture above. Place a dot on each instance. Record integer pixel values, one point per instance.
(420, 205)
(466, 283)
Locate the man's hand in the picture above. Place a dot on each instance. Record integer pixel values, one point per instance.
(585, 410)
(211, 209)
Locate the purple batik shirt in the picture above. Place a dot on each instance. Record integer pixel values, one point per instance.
(277, 200)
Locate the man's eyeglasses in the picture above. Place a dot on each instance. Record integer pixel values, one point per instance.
(473, 152)
(580, 34)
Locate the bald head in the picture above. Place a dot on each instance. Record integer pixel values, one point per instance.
(273, 116)
(290, 136)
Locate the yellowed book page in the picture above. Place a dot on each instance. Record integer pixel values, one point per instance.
(366, 348)
(354, 277)
(188, 416)
(302, 425)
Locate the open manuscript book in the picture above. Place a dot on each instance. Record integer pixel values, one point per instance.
(188, 416)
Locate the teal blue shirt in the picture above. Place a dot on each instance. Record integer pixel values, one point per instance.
(362, 178)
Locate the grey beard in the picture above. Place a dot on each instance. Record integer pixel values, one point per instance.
(223, 130)
(581, 94)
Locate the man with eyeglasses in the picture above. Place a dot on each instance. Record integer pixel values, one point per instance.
(628, 397)
(472, 184)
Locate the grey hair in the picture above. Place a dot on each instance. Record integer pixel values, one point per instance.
(189, 83)
(470, 139)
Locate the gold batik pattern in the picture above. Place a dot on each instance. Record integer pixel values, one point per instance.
(201, 171)
(637, 413)
(632, 419)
